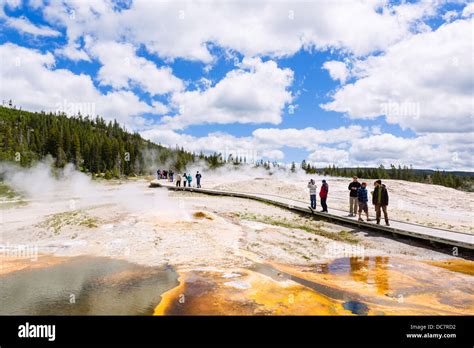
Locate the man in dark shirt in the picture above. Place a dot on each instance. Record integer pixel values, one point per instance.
(380, 201)
(198, 179)
(353, 202)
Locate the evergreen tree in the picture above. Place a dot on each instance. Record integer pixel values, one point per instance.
(304, 166)
(105, 148)
(293, 167)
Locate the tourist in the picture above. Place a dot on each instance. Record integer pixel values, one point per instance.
(198, 179)
(185, 179)
(353, 187)
(380, 201)
(363, 198)
(312, 194)
(171, 174)
(158, 174)
(323, 195)
(178, 180)
(190, 178)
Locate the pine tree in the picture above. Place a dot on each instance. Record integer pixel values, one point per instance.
(76, 148)
(304, 166)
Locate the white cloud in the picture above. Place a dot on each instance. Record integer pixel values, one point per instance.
(35, 4)
(419, 79)
(376, 130)
(448, 16)
(13, 4)
(359, 27)
(421, 152)
(73, 52)
(308, 138)
(256, 92)
(264, 142)
(323, 156)
(217, 142)
(29, 78)
(274, 155)
(23, 25)
(444, 151)
(337, 70)
(122, 68)
(468, 10)
(85, 19)
(424, 83)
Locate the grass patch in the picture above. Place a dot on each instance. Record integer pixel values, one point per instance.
(9, 198)
(56, 222)
(14, 204)
(89, 222)
(7, 192)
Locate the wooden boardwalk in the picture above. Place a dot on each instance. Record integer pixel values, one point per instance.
(453, 238)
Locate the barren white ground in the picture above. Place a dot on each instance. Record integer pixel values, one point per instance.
(152, 226)
(430, 205)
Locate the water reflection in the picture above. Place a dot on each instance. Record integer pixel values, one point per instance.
(391, 285)
(345, 286)
(85, 286)
(364, 269)
(381, 274)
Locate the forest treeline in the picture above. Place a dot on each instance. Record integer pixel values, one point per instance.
(458, 180)
(92, 144)
(463, 182)
(107, 149)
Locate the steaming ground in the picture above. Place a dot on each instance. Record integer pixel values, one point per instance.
(232, 255)
(73, 215)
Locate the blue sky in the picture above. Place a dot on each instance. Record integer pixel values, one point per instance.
(282, 81)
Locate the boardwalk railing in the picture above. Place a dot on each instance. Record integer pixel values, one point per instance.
(453, 238)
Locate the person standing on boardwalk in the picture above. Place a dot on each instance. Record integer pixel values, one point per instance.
(189, 178)
(185, 179)
(353, 187)
(178, 180)
(312, 194)
(323, 195)
(198, 179)
(363, 198)
(380, 201)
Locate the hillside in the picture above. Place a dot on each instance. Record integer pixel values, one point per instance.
(106, 148)
(92, 144)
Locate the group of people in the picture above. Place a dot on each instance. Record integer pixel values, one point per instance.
(165, 174)
(358, 199)
(186, 179)
(323, 194)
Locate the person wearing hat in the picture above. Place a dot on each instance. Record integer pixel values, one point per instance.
(380, 201)
(323, 195)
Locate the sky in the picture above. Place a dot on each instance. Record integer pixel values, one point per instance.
(344, 82)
